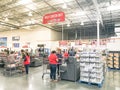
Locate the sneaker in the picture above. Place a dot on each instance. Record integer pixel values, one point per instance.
(51, 80)
(55, 80)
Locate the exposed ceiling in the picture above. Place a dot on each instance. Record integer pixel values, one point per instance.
(15, 14)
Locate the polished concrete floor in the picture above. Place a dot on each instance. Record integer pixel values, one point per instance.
(34, 81)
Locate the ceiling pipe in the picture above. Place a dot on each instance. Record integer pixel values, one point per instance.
(40, 25)
(9, 24)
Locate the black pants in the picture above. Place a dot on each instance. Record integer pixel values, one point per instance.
(27, 68)
(58, 69)
(53, 71)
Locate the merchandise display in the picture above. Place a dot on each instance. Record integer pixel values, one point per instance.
(3, 58)
(113, 60)
(91, 68)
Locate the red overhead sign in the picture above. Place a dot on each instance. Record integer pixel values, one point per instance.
(54, 17)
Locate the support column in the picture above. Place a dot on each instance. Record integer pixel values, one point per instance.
(76, 35)
(62, 33)
(98, 32)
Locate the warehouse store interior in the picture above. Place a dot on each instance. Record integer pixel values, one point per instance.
(83, 34)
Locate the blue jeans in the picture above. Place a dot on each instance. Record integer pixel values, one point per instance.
(53, 71)
(27, 68)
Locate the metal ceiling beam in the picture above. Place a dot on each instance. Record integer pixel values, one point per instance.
(40, 25)
(9, 25)
(83, 10)
(98, 11)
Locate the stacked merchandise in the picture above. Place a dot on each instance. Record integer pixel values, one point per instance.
(91, 68)
(3, 58)
(110, 60)
(114, 60)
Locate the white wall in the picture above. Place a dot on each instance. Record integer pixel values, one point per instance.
(38, 35)
(56, 35)
(114, 46)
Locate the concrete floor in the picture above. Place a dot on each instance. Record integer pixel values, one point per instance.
(34, 82)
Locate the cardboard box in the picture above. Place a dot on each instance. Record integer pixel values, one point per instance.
(110, 58)
(116, 66)
(116, 54)
(116, 58)
(110, 54)
(109, 62)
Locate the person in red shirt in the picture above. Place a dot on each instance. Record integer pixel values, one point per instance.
(53, 65)
(26, 62)
(65, 55)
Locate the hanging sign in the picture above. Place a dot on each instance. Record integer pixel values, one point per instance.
(54, 17)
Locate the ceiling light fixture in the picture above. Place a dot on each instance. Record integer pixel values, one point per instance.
(6, 19)
(64, 6)
(80, 13)
(24, 1)
(2, 23)
(82, 23)
(30, 14)
(31, 6)
(111, 8)
(68, 25)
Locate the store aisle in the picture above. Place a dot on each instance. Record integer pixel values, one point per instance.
(34, 82)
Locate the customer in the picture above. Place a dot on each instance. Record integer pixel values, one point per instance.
(27, 62)
(53, 65)
(11, 58)
(60, 57)
(65, 55)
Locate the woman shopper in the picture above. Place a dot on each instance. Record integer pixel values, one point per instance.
(53, 65)
(60, 57)
(27, 62)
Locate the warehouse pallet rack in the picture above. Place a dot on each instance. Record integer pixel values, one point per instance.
(113, 60)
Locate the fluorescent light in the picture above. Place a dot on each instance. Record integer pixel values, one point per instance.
(6, 19)
(12, 28)
(49, 23)
(2, 23)
(60, 1)
(31, 6)
(68, 25)
(82, 23)
(24, 1)
(111, 8)
(64, 6)
(29, 14)
(118, 34)
(80, 13)
(33, 21)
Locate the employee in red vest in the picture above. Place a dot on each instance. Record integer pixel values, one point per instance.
(27, 62)
(53, 65)
(65, 55)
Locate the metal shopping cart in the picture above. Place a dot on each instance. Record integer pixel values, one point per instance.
(46, 67)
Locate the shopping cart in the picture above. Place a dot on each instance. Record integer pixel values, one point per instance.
(46, 67)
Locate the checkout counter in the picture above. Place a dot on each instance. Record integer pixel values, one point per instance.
(70, 70)
(36, 61)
